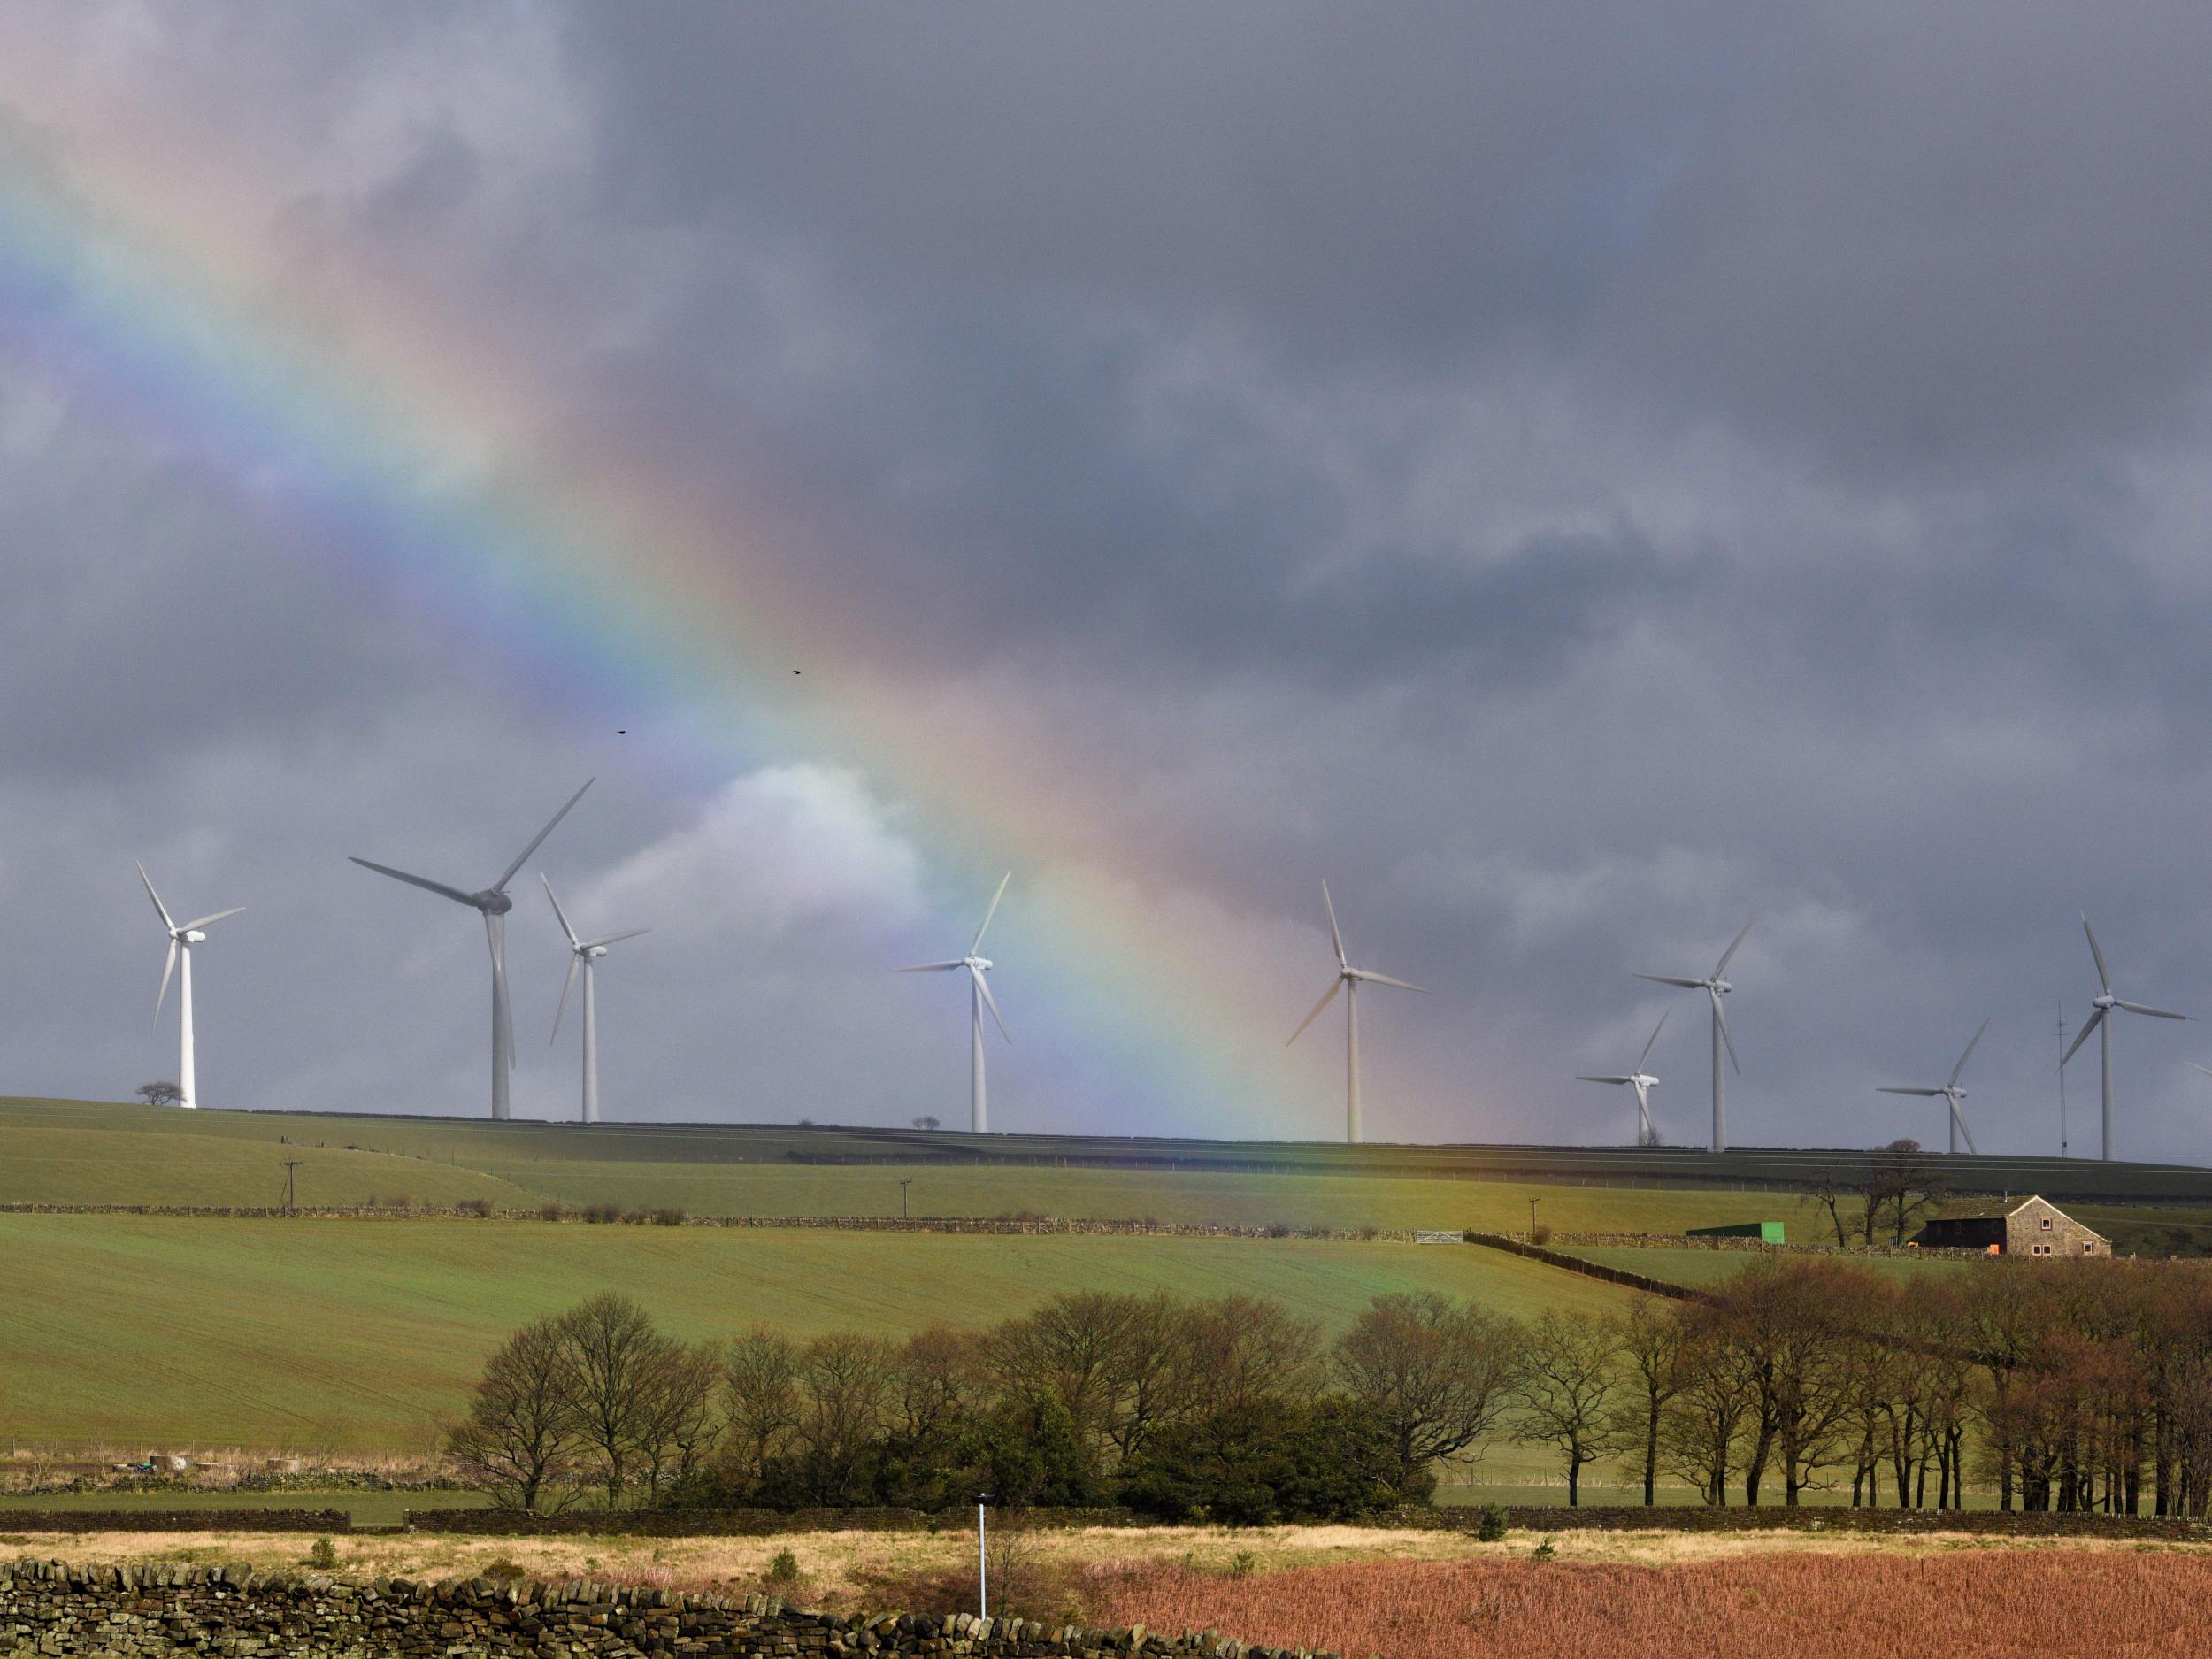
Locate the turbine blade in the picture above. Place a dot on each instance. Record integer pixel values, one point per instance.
(1925, 1094)
(2155, 1013)
(931, 967)
(1725, 955)
(168, 967)
(1965, 1135)
(1727, 1042)
(161, 909)
(2103, 978)
(1384, 979)
(1663, 979)
(1334, 986)
(1655, 1030)
(1580, 1079)
(1968, 1054)
(2193, 1066)
(523, 857)
(609, 938)
(424, 882)
(995, 898)
(205, 920)
(2082, 1035)
(990, 1001)
(572, 941)
(574, 962)
(1336, 938)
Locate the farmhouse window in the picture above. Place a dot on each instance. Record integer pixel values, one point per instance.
(2047, 1223)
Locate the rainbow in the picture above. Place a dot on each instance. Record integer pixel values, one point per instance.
(396, 450)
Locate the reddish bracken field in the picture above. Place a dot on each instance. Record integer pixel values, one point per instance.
(1966, 1605)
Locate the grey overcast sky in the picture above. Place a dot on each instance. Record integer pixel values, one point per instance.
(1568, 476)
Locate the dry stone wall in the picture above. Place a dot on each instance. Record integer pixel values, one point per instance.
(48, 1607)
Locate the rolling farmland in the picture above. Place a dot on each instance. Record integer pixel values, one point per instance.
(359, 1334)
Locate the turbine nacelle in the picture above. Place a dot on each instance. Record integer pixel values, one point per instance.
(981, 964)
(492, 902)
(189, 936)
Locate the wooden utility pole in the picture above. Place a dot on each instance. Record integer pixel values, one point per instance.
(903, 1185)
(289, 1166)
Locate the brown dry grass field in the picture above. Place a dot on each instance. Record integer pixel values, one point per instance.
(1404, 1596)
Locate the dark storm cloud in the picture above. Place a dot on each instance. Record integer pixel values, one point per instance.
(1568, 476)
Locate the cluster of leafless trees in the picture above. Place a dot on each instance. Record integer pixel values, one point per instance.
(2063, 1384)
(594, 1401)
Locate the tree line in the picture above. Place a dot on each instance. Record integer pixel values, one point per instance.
(2061, 1385)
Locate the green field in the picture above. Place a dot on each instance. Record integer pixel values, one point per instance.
(1678, 1265)
(359, 1336)
(86, 1153)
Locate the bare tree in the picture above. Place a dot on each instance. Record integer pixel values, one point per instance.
(925, 1121)
(160, 1093)
(676, 1424)
(1442, 1373)
(760, 1393)
(1650, 1335)
(519, 1440)
(1903, 1182)
(611, 1361)
(846, 1390)
(1569, 1382)
(1244, 1350)
(1703, 1422)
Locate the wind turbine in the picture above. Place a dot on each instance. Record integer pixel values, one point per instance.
(584, 953)
(1950, 1094)
(181, 942)
(2101, 1020)
(1716, 987)
(1641, 1082)
(979, 999)
(494, 903)
(1349, 980)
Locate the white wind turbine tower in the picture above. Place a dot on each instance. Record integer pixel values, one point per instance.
(1641, 1082)
(181, 942)
(979, 999)
(1716, 987)
(1950, 1094)
(1349, 980)
(494, 903)
(584, 953)
(2104, 1004)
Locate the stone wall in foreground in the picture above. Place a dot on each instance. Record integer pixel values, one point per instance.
(48, 1607)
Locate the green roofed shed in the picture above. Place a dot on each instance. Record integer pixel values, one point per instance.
(1766, 1232)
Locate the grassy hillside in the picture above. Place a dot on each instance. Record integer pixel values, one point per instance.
(70, 1153)
(75, 1152)
(359, 1334)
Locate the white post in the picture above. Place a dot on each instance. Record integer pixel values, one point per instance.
(187, 1080)
(982, 1568)
(591, 1051)
(979, 1110)
(1352, 1130)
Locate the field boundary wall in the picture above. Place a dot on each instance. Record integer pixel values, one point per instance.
(176, 1521)
(49, 1608)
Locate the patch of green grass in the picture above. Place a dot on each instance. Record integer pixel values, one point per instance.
(364, 1335)
(1677, 1265)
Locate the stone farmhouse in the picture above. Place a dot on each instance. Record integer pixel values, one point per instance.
(2026, 1227)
